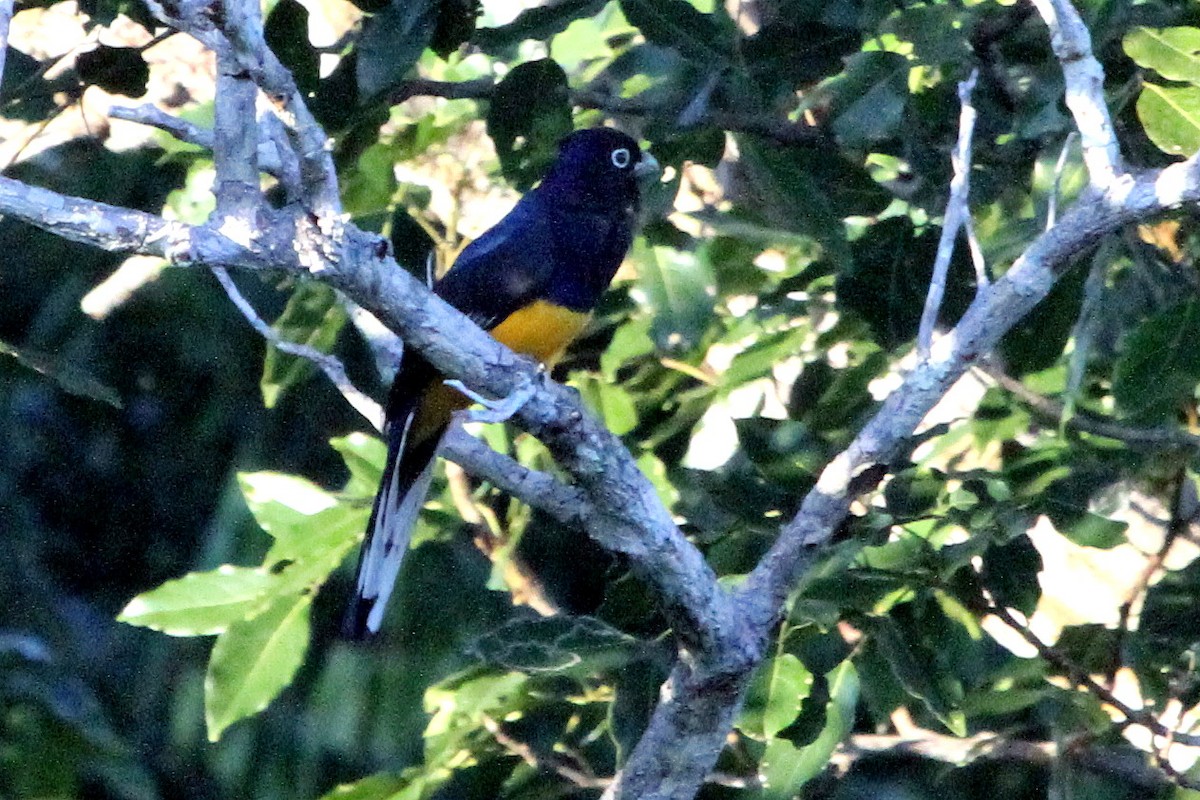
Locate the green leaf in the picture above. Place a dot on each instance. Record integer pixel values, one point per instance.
(253, 661)
(541, 23)
(792, 198)
(608, 401)
(1173, 53)
(281, 503)
(776, 693)
(699, 37)
(364, 457)
(560, 644)
(67, 377)
(202, 603)
(784, 767)
(1086, 528)
(1171, 117)
(916, 667)
(679, 292)
(869, 98)
(314, 317)
(530, 112)
(1010, 574)
(1159, 365)
(629, 342)
(377, 787)
(120, 70)
(286, 32)
(391, 43)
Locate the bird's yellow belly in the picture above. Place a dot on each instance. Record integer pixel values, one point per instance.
(541, 330)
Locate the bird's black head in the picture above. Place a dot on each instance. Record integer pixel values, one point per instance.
(598, 167)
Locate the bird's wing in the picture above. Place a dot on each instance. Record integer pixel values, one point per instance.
(506, 268)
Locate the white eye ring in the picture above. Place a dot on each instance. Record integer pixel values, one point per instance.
(620, 157)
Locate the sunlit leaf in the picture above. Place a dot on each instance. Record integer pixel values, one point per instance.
(253, 661)
(785, 768)
(202, 603)
(1171, 116)
(1173, 53)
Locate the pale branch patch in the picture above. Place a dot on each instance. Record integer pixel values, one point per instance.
(958, 215)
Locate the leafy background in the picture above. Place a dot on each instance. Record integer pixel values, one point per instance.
(166, 473)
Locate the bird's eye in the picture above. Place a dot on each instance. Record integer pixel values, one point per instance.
(620, 157)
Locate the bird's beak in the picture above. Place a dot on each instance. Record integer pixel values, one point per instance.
(647, 166)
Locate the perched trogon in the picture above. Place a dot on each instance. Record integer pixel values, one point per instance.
(532, 282)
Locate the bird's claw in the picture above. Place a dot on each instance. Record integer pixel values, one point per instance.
(496, 410)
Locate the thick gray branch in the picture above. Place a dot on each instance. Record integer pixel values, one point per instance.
(627, 514)
(987, 319)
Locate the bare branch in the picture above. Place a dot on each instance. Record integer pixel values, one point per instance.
(331, 366)
(121, 230)
(1085, 91)
(551, 762)
(235, 129)
(1059, 166)
(1112, 761)
(770, 127)
(957, 210)
(1135, 716)
(274, 156)
(245, 42)
(1053, 411)
(984, 323)
(566, 504)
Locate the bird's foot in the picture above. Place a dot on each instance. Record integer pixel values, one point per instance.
(497, 410)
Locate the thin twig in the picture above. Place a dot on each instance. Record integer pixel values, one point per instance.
(546, 762)
(1053, 411)
(1183, 507)
(331, 366)
(770, 127)
(1059, 166)
(1134, 716)
(273, 158)
(957, 210)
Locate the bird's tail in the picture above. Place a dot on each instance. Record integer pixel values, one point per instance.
(414, 429)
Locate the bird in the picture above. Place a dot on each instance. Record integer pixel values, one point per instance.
(531, 281)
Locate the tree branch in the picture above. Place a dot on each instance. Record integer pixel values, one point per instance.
(627, 515)
(1084, 79)
(1053, 411)
(984, 323)
(331, 366)
(771, 127)
(1135, 716)
(958, 212)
